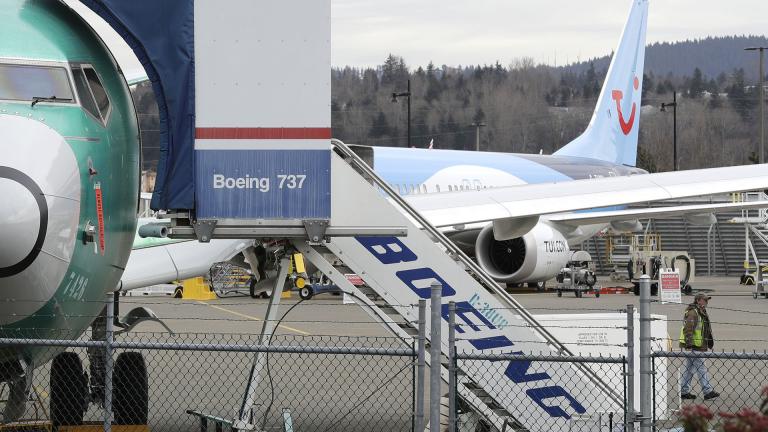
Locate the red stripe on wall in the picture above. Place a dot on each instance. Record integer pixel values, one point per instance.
(263, 133)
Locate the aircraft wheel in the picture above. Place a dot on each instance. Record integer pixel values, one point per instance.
(178, 292)
(266, 294)
(69, 390)
(130, 400)
(306, 293)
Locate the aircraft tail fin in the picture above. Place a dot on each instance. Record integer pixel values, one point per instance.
(613, 131)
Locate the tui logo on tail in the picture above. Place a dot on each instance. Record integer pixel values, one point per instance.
(618, 95)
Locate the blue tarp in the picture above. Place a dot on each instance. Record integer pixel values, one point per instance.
(161, 33)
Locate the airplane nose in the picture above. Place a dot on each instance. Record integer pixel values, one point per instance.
(23, 221)
(39, 214)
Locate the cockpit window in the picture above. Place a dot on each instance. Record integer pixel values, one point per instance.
(26, 82)
(93, 97)
(102, 100)
(86, 98)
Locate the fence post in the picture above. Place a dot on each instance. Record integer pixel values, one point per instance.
(629, 410)
(108, 363)
(646, 420)
(434, 358)
(421, 365)
(451, 367)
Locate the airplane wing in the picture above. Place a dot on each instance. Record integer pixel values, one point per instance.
(576, 219)
(161, 260)
(461, 208)
(135, 76)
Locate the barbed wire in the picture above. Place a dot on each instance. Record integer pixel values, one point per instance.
(722, 308)
(724, 323)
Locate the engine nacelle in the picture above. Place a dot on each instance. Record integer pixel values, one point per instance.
(537, 256)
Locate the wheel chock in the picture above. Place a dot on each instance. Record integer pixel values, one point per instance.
(197, 289)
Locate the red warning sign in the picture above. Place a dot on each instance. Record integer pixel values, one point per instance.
(100, 216)
(670, 286)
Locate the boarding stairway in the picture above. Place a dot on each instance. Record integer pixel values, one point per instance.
(377, 235)
(385, 299)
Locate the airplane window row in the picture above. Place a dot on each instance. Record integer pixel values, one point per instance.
(411, 189)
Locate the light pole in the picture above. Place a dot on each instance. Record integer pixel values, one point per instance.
(664, 107)
(406, 94)
(477, 125)
(760, 83)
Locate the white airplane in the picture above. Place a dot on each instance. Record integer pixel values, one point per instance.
(520, 214)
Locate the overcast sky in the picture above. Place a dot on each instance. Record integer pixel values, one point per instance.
(461, 32)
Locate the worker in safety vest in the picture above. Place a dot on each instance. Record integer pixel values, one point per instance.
(696, 335)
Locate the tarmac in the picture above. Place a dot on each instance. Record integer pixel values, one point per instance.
(739, 321)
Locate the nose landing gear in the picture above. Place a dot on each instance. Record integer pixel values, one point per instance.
(70, 396)
(69, 390)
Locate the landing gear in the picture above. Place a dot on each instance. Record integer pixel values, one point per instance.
(69, 390)
(252, 288)
(130, 399)
(257, 288)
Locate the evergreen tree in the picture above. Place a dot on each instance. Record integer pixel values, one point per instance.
(380, 126)
(394, 71)
(696, 85)
(741, 101)
(591, 87)
(479, 116)
(434, 87)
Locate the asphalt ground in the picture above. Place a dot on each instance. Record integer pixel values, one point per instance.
(740, 323)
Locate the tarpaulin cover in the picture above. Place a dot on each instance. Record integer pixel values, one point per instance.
(161, 33)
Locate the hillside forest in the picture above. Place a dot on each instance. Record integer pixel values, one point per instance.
(530, 108)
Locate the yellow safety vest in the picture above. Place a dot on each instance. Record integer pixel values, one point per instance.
(698, 338)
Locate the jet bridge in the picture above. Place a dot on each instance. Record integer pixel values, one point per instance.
(247, 154)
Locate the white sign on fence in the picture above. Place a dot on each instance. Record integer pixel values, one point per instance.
(669, 286)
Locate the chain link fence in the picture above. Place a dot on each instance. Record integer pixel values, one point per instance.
(163, 381)
(552, 382)
(322, 383)
(739, 379)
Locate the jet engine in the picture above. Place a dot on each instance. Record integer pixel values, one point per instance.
(535, 257)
